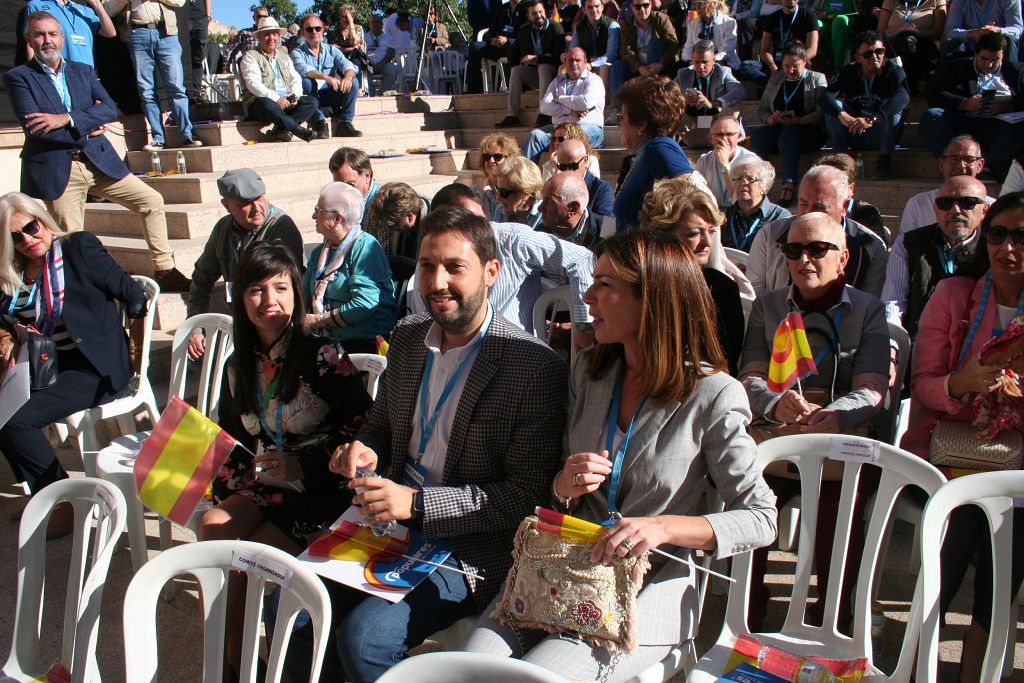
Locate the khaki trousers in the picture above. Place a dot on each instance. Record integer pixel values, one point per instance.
(130, 192)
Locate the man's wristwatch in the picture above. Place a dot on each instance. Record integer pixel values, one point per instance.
(417, 504)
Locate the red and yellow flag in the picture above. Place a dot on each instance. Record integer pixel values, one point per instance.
(179, 460)
(569, 528)
(382, 346)
(350, 541)
(791, 354)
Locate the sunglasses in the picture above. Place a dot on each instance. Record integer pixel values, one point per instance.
(965, 203)
(314, 29)
(877, 52)
(31, 229)
(641, 5)
(997, 234)
(558, 138)
(817, 249)
(505, 192)
(492, 157)
(572, 166)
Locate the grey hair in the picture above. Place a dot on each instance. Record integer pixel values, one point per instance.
(836, 233)
(703, 46)
(10, 266)
(572, 188)
(764, 170)
(834, 177)
(346, 200)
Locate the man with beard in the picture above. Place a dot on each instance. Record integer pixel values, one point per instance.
(924, 256)
(962, 156)
(466, 443)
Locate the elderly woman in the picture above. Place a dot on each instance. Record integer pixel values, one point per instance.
(652, 392)
(751, 181)
(964, 313)
(677, 206)
(789, 107)
(494, 149)
(651, 108)
(849, 340)
(915, 32)
(519, 187)
(290, 397)
(725, 135)
(63, 286)
(559, 134)
(348, 281)
(712, 23)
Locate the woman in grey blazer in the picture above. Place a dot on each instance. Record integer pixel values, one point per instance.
(656, 379)
(789, 107)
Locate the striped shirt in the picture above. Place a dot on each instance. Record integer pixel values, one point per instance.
(25, 312)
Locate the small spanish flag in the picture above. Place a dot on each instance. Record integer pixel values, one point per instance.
(791, 354)
(350, 541)
(382, 346)
(569, 528)
(179, 460)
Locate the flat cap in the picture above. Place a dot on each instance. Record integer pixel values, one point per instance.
(241, 184)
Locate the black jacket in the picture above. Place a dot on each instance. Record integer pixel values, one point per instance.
(952, 83)
(552, 43)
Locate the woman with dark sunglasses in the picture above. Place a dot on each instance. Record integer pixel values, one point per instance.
(494, 149)
(64, 286)
(964, 313)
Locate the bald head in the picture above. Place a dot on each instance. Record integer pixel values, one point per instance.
(965, 196)
(817, 225)
(573, 151)
(564, 201)
(470, 205)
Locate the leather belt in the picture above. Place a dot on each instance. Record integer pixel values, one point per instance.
(77, 155)
(157, 25)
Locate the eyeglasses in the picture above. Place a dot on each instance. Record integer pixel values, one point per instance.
(816, 249)
(997, 234)
(726, 134)
(505, 192)
(326, 212)
(558, 138)
(965, 203)
(314, 29)
(965, 160)
(868, 54)
(745, 180)
(492, 157)
(31, 229)
(571, 166)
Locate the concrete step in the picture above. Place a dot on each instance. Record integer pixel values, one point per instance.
(11, 137)
(260, 155)
(492, 100)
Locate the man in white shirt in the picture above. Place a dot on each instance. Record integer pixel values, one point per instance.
(962, 156)
(396, 40)
(575, 97)
(725, 135)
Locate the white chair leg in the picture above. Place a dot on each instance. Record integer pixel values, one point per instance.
(789, 521)
(136, 529)
(86, 443)
(1011, 638)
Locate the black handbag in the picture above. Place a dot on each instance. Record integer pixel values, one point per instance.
(42, 353)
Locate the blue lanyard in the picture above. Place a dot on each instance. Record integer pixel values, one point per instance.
(787, 97)
(908, 13)
(70, 16)
(620, 453)
(345, 245)
(535, 37)
(784, 32)
(869, 85)
(832, 337)
(982, 305)
(278, 434)
(747, 235)
(31, 298)
(947, 262)
(983, 85)
(321, 59)
(706, 30)
(427, 424)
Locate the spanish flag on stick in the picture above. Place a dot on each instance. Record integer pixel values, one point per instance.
(179, 460)
(569, 528)
(791, 355)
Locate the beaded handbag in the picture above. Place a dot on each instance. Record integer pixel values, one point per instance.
(553, 586)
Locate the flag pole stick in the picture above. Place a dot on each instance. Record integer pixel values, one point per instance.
(693, 564)
(371, 546)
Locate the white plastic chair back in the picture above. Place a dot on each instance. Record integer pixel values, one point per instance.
(90, 558)
(994, 493)
(548, 303)
(82, 425)
(448, 67)
(886, 423)
(219, 346)
(466, 667)
(737, 256)
(211, 562)
(373, 365)
(747, 304)
(808, 453)
(491, 70)
(307, 250)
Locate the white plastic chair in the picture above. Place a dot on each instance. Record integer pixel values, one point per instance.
(747, 304)
(82, 425)
(466, 667)
(544, 308)
(115, 462)
(373, 365)
(994, 493)
(492, 71)
(446, 66)
(90, 558)
(809, 452)
(737, 256)
(211, 562)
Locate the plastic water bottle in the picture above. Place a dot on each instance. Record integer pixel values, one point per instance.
(182, 168)
(155, 163)
(379, 528)
(877, 630)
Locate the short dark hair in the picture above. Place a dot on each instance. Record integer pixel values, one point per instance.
(867, 38)
(38, 16)
(455, 219)
(795, 48)
(306, 17)
(448, 195)
(976, 266)
(530, 3)
(355, 158)
(990, 41)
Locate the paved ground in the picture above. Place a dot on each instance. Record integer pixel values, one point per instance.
(181, 626)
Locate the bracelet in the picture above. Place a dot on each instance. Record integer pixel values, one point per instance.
(563, 501)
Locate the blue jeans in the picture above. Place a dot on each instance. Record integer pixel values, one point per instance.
(390, 73)
(753, 70)
(1000, 141)
(343, 103)
(882, 136)
(789, 142)
(620, 72)
(150, 52)
(370, 634)
(540, 139)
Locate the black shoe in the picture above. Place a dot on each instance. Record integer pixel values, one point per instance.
(508, 122)
(189, 142)
(321, 129)
(279, 135)
(304, 133)
(345, 129)
(155, 146)
(883, 168)
(172, 281)
(542, 120)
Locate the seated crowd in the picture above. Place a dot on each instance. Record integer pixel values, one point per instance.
(677, 278)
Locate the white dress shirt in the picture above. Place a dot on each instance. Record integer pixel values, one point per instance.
(564, 97)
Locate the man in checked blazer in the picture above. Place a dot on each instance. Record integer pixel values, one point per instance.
(487, 462)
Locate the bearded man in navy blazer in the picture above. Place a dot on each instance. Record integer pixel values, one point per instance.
(64, 111)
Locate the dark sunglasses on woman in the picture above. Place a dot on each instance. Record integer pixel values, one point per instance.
(31, 229)
(816, 249)
(492, 157)
(997, 234)
(505, 192)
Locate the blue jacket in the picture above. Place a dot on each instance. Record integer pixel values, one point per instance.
(362, 292)
(660, 157)
(602, 196)
(46, 157)
(92, 281)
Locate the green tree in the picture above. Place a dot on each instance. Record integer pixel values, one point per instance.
(284, 11)
(416, 8)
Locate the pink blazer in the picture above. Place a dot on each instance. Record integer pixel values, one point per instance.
(941, 332)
